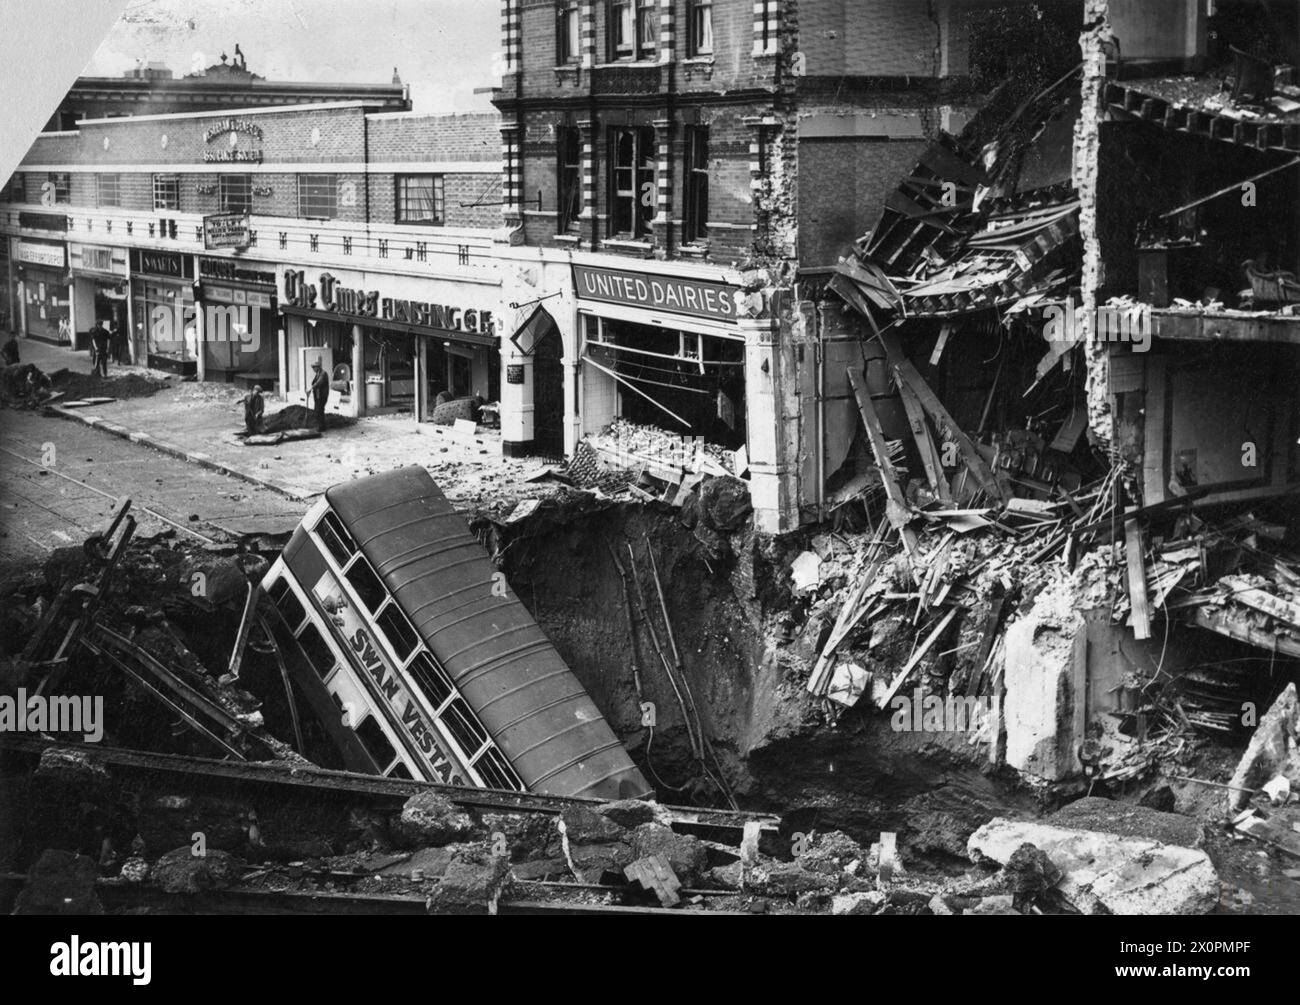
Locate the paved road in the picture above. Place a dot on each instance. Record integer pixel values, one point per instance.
(47, 506)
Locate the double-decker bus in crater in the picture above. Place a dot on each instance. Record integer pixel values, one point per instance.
(434, 668)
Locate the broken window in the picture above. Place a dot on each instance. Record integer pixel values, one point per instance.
(369, 589)
(401, 636)
(695, 213)
(631, 181)
(569, 173)
(319, 654)
(376, 743)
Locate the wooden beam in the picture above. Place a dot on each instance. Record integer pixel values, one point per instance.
(1137, 579)
(924, 648)
(896, 508)
(930, 458)
(906, 374)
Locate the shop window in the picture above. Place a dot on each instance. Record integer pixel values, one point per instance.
(420, 199)
(166, 191)
(632, 181)
(369, 589)
(236, 191)
(401, 636)
(695, 214)
(319, 654)
(631, 28)
(699, 28)
(318, 196)
(108, 190)
(566, 31)
(372, 737)
(570, 177)
(432, 681)
(460, 375)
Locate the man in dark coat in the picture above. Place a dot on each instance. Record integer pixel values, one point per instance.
(117, 343)
(254, 406)
(99, 341)
(10, 351)
(320, 392)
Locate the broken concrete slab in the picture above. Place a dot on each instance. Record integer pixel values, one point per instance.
(181, 871)
(687, 857)
(1105, 873)
(654, 873)
(1039, 673)
(60, 882)
(1274, 749)
(468, 887)
(429, 818)
(1093, 813)
(858, 903)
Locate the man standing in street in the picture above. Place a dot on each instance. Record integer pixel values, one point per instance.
(320, 392)
(117, 340)
(99, 340)
(254, 406)
(10, 351)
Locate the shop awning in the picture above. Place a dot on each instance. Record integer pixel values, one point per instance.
(461, 337)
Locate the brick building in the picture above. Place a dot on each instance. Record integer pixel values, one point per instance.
(152, 89)
(674, 173)
(360, 236)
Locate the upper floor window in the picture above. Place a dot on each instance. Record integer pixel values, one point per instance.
(631, 181)
(569, 172)
(318, 196)
(236, 192)
(54, 188)
(695, 214)
(108, 190)
(699, 28)
(420, 198)
(632, 25)
(566, 31)
(166, 191)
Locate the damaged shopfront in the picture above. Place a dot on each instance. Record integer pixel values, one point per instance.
(393, 345)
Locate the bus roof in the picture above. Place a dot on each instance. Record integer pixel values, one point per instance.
(523, 692)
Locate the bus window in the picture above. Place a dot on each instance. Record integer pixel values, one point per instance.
(494, 770)
(399, 631)
(319, 655)
(461, 723)
(284, 598)
(431, 680)
(367, 584)
(336, 538)
(399, 770)
(374, 740)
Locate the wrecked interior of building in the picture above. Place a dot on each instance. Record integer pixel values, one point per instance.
(1049, 586)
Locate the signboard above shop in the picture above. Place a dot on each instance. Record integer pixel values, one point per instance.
(226, 230)
(654, 292)
(95, 258)
(168, 264)
(40, 253)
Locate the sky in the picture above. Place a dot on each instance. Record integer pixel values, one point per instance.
(443, 48)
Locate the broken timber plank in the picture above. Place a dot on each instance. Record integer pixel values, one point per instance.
(1137, 578)
(896, 509)
(916, 656)
(930, 458)
(906, 374)
(1243, 592)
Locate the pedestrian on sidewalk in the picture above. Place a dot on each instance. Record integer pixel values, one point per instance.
(117, 343)
(10, 351)
(99, 340)
(254, 406)
(320, 392)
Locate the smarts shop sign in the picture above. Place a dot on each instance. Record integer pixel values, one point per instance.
(669, 294)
